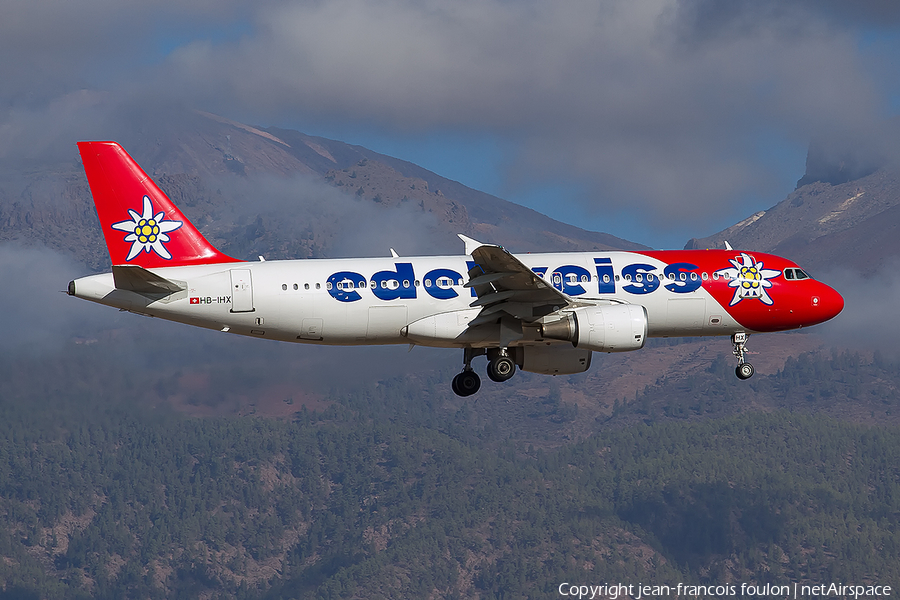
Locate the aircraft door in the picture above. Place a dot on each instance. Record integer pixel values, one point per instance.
(686, 314)
(241, 291)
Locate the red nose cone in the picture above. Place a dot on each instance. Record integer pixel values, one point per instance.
(827, 303)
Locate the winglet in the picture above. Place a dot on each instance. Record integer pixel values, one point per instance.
(471, 244)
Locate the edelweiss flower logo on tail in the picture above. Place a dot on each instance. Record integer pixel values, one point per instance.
(749, 279)
(147, 231)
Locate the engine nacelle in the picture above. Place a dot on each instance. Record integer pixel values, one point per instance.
(558, 359)
(608, 328)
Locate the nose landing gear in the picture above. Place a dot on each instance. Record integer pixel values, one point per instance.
(744, 370)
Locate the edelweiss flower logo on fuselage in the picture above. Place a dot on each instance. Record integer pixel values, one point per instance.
(147, 231)
(749, 279)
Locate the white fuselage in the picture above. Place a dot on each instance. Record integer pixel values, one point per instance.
(418, 300)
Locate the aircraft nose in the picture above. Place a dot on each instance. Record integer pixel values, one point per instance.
(827, 302)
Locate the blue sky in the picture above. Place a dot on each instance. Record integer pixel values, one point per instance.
(655, 121)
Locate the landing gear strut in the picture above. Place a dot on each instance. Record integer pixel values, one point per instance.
(744, 370)
(467, 382)
(501, 367)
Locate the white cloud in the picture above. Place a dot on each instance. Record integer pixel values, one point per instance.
(868, 320)
(645, 101)
(42, 317)
(663, 106)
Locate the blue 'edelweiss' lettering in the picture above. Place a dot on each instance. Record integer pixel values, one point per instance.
(641, 278)
(683, 278)
(395, 285)
(438, 283)
(341, 284)
(605, 275)
(568, 279)
(572, 280)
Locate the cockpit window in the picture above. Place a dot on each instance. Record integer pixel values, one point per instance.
(795, 274)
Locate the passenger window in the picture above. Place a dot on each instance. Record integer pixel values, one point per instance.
(715, 276)
(327, 285)
(284, 286)
(318, 286)
(296, 287)
(693, 277)
(305, 286)
(406, 283)
(672, 276)
(416, 283)
(606, 279)
(427, 283)
(705, 276)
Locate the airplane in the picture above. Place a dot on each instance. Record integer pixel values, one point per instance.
(542, 313)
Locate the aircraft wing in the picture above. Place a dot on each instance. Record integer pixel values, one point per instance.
(506, 286)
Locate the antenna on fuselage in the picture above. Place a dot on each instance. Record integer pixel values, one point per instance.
(728, 246)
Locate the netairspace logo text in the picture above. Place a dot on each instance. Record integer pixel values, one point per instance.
(639, 591)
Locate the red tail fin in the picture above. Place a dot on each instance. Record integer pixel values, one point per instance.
(141, 225)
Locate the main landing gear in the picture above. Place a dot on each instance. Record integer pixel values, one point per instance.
(467, 382)
(501, 367)
(744, 370)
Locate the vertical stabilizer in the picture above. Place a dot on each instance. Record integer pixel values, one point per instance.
(140, 224)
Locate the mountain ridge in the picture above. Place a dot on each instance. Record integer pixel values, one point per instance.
(820, 225)
(222, 174)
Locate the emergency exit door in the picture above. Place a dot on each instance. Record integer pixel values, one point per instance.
(241, 291)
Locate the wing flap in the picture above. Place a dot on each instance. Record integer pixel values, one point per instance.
(504, 285)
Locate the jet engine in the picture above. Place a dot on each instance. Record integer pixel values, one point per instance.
(608, 328)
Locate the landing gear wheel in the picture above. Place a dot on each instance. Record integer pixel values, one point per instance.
(744, 370)
(466, 383)
(501, 369)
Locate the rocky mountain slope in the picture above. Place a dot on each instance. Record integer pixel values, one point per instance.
(850, 223)
(275, 192)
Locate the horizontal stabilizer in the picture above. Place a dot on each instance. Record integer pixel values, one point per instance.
(138, 279)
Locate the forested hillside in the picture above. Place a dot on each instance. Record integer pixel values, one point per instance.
(388, 493)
